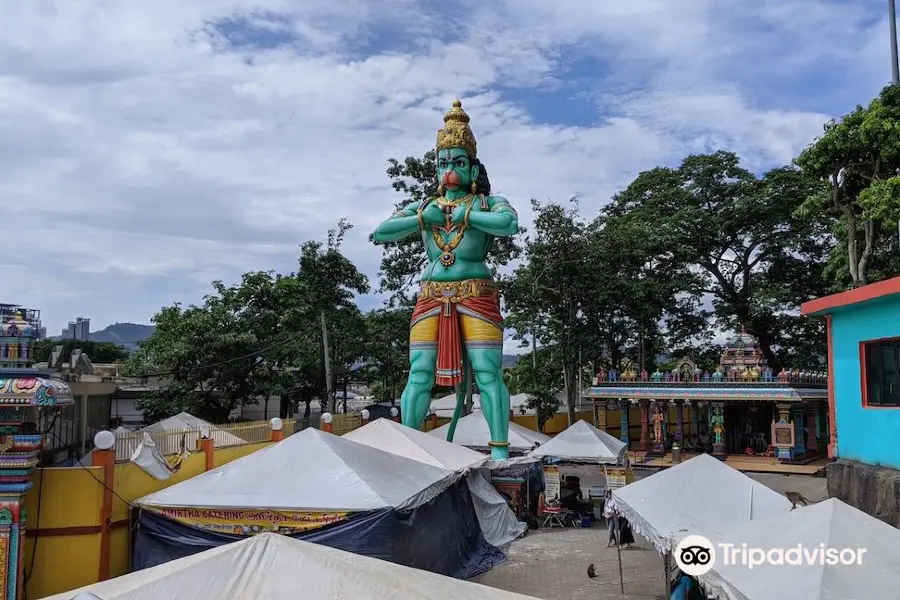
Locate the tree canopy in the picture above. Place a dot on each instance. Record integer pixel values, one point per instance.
(98, 352)
(856, 162)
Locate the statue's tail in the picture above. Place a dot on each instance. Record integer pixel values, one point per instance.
(460, 397)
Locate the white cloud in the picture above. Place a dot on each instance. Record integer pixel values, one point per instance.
(147, 148)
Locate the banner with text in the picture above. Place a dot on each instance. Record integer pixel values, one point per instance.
(251, 522)
(551, 489)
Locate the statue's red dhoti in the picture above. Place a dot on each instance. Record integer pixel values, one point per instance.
(448, 316)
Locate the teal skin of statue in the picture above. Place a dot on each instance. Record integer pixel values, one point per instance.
(458, 228)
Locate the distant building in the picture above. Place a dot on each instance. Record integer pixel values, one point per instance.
(79, 329)
(31, 315)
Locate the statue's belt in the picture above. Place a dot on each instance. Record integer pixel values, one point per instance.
(453, 292)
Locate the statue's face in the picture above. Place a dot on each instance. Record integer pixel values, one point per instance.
(455, 170)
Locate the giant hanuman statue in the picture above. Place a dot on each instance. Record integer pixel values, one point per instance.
(457, 328)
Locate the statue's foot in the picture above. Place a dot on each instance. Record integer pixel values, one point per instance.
(499, 450)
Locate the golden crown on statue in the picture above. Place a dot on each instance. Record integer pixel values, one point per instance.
(456, 132)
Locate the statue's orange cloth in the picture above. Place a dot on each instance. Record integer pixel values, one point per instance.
(476, 321)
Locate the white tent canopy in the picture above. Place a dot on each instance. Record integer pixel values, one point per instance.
(171, 444)
(275, 567)
(582, 442)
(311, 470)
(701, 494)
(472, 431)
(498, 523)
(831, 524)
(443, 407)
(395, 438)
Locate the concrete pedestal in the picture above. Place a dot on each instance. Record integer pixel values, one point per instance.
(873, 490)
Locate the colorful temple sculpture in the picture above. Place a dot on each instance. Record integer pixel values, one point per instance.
(456, 333)
(742, 407)
(24, 393)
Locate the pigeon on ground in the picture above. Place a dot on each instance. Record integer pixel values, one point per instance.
(591, 572)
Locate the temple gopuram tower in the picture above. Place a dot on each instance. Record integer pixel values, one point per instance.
(24, 393)
(742, 358)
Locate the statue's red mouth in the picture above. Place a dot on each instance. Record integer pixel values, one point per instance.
(450, 180)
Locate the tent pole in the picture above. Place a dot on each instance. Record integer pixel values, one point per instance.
(750, 508)
(668, 585)
(621, 576)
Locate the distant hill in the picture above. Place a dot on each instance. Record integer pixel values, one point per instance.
(124, 334)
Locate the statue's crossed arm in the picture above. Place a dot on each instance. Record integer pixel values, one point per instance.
(500, 220)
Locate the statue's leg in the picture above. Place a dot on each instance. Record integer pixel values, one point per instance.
(487, 365)
(484, 347)
(416, 398)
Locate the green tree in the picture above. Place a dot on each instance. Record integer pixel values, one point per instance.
(331, 282)
(266, 337)
(202, 356)
(545, 296)
(536, 370)
(856, 162)
(634, 290)
(544, 402)
(540, 376)
(387, 350)
(274, 307)
(740, 235)
(98, 352)
(402, 261)
(348, 348)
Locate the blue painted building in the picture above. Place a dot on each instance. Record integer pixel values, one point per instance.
(864, 370)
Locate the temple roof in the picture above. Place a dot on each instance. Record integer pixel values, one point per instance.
(17, 326)
(30, 389)
(741, 340)
(706, 392)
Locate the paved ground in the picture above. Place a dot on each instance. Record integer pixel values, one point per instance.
(552, 564)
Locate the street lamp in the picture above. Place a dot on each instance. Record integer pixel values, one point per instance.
(104, 440)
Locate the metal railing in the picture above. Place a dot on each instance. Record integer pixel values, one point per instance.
(346, 423)
(246, 432)
(169, 441)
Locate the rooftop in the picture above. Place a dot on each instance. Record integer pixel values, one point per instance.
(866, 293)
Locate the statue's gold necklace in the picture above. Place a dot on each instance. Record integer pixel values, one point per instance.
(448, 257)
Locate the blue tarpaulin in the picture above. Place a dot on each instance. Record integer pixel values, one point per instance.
(442, 536)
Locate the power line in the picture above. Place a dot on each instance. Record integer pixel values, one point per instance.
(89, 472)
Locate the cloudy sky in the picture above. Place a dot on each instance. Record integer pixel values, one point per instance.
(149, 147)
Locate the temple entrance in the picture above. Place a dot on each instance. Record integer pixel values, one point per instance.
(749, 426)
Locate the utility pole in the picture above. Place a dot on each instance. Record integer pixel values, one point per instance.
(329, 385)
(895, 65)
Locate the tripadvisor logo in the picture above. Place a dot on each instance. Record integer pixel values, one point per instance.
(696, 555)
